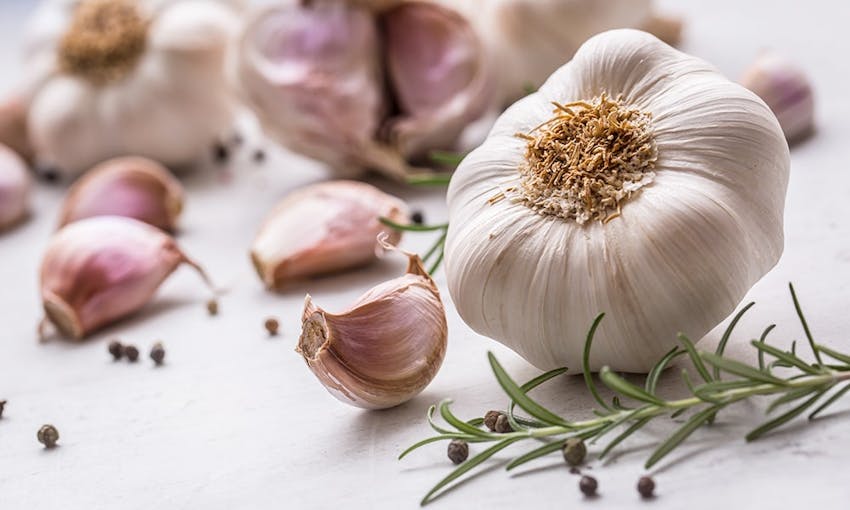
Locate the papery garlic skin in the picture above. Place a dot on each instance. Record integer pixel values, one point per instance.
(170, 102)
(14, 188)
(786, 90)
(322, 228)
(324, 78)
(13, 127)
(99, 270)
(385, 349)
(679, 256)
(134, 187)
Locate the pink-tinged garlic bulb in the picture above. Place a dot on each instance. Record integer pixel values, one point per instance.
(787, 91)
(13, 127)
(383, 350)
(134, 187)
(361, 88)
(14, 188)
(322, 228)
(99, 270)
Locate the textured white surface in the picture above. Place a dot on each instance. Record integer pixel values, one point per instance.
(235, 420)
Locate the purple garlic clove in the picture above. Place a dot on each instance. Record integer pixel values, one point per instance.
(14, 188)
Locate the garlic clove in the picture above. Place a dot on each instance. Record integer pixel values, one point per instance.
(99, 270)
(437, 72)
(134, 187)
(383, 350)
(14, 188)
(312, 73)
(786, 90)
(13, 127)
(323, 228)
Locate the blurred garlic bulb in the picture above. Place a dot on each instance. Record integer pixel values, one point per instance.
(13, 127)
(99, 270)
(526, 40)
(14, 188)
(383, 350)
(110, 78)
(637, 181)
(323, 228)
(786, 90)
(362, 89)
(134, 187)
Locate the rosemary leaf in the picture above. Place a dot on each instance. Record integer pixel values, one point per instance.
(412, 228)
(762, 340)
(460, 425)
(740, 369)
(790, 397)
(447, 158)
(721, 347)
(626, 433)
(681, 434)
(528, 386)
(805, 324)
(834, 354)
(439, 243)
(835, 396)
(655, 373)
(522, 400)
(585, 363)
(620, 385)
(441, 437)
(536, 453)
(695, 359)
(430, 179)
(790, 359)
(784, 418)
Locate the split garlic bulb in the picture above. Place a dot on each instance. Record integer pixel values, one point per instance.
(526, 40)
(14, 188)
(383, 350)
(361, 88)
(638, 182)
(133, 187)
(111, 78)
(322, 228)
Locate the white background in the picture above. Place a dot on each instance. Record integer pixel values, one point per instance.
(235, 420)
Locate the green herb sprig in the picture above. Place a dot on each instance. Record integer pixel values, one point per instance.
(805, 385)
(435, 252)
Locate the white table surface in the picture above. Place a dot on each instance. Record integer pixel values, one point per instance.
(235, 420)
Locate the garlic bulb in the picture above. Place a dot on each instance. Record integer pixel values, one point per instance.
(109, 78)
(638, 182)
(363, 89)
(786, 90)
(99, 270)
(323, 228)
(133, 187)
(13, 127)
(383, 350)
(14, 188)
(526, 40)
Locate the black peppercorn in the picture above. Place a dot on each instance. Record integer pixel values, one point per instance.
(158, 353)
(116, 349)
(417, 218)
(458, 451)
(272, 326)
(259, 156)
(574, 470)
(574, 451)
(646, 487)
(212, 307)
(2, 406)
(48, 436)
(490, 420)
(221, 153)
(588, 485)
(502, 425)
(131, 352)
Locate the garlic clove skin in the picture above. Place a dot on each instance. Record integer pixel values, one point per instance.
(13, 127)
(385, 349)
(322, 228)
(15, 184)
(685, 248)
(99, 270)
(133, 187)
(786, 90)
(438, 73)
(311, 72)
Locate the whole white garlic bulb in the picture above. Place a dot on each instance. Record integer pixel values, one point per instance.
(638, 182)
(386, 348)
(526, 40)
(786, 90)
(110, 78)
(363, 88)
(14, 188)
(322, 228)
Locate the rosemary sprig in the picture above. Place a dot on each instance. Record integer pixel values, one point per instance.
(804, 386)
(435, 252)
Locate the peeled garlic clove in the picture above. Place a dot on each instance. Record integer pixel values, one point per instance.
(134, 187)
(436, 67)
(786, 90)
(13, 127)
(14, 188)
(311, 72)
(383, 350)
(99, 270)
(323, 228)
